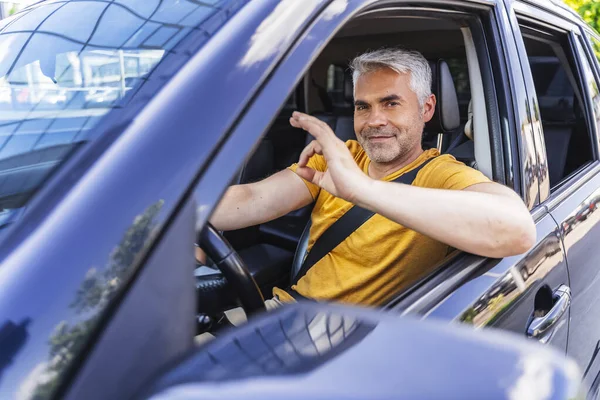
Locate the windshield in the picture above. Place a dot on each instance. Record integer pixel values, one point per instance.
(65, 64)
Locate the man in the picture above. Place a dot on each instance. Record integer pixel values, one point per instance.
(448, 205)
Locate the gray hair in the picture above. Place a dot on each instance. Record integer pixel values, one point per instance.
(401, 61)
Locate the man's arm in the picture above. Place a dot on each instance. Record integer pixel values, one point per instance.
(487, 219)
(263, 201)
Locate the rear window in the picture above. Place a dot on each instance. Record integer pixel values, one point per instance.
(64, 65)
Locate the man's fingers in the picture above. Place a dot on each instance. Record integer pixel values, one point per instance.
(315, 127)
(311, 125)
(313, 148)
(326, 143)
(306, 173)
(310, 175)
(295, 123)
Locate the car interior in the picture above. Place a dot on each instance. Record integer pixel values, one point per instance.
(567, 140)
(273, 251)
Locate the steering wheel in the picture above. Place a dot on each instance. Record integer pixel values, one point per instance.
(233, 269)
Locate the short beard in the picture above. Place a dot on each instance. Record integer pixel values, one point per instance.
(386, 153)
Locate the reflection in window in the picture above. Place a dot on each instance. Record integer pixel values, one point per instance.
(59, 74)
(592, 84)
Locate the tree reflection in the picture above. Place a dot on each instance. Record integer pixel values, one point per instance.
(96, 290)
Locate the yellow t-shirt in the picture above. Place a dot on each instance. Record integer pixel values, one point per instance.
(381, 256)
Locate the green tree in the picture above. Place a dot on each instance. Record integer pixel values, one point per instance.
(589, 11)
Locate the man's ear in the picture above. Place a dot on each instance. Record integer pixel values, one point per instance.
(429, 108)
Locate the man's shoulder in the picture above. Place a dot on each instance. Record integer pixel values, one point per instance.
(445, 161)
(445, 171)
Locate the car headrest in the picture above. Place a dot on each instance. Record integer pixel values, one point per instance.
(447, 115)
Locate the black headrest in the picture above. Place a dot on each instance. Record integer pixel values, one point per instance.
(447, 115)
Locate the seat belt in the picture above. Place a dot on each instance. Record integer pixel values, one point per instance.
(344, 226)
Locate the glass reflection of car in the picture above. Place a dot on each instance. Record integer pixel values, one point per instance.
(548, 247)
(582, 214)
(585, 211)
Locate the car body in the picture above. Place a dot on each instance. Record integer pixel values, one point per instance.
(101, 209)
(278, 355)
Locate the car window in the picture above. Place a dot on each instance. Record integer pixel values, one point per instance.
(328, 88)
(595, 45)
(589, 62)
(591, 84)
(58, 78)
(562, 102)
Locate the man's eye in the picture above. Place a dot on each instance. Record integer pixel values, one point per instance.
(393, 104)
(361, 107)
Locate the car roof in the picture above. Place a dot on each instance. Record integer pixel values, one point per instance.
(557, 7)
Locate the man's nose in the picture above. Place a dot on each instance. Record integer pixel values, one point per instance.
(376, 118)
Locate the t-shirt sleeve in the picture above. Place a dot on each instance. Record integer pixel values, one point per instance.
(447, 173)
(316, 162)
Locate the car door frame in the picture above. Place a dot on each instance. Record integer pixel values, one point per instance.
(256, 121)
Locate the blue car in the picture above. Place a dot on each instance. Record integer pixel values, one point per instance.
(123, 122)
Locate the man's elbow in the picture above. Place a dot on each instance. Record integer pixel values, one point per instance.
(519, 239)
(526, 238)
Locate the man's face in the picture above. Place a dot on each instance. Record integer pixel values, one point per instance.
(388, 121)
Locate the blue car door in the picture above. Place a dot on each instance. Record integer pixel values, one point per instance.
(567, 97)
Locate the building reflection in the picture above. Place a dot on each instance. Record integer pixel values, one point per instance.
(517, 280)
(58, 79)
(584, 211)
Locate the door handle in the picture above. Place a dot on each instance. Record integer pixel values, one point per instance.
(540, 327)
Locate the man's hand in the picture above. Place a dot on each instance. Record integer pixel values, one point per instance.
(343, 177)
(200, 255)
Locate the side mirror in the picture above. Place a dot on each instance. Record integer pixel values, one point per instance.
(317, 351)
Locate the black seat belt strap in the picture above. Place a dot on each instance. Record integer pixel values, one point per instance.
(344, 226)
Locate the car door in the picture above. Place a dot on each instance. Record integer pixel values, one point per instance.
(527, 294)
(574, 205)
(574, 190)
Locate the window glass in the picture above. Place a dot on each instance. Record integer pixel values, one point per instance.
(592, 85)
(595, 46)
(77, 30)
(59, 75)
(567, 135)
